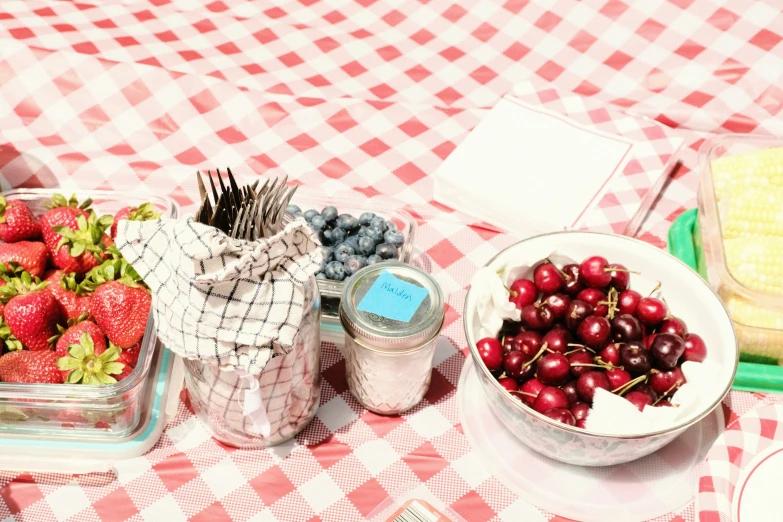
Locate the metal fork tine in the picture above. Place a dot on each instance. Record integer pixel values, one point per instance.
(202, 190)
(214, 190)
(232, 182)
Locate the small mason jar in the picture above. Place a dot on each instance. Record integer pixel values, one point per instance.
(392, 314)
(290, 386)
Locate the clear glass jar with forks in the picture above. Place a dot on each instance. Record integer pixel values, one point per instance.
(287, 391)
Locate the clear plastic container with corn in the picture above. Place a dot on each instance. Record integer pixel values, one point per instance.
(741, 235)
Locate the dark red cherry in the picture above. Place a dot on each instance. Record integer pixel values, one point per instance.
(548, 278)
(508, 383)
(594, 331)
(580, 410)
(626, 328)
(570, 390)
(593, 296)
(561, 415)
(523, 292)
(589, 382)
(646, 388)
(577, 360)
(514, 362)
(666, 350)
(650, 311)
(553, 369)
(635, 358)
(610, 354)
(664, 383)
(695, 349)
(508, 343)
(537, 317)
(530, 390)
(576, 312)
(528, 343)
(627, 301)
(648, 340)
(638, 399)
(673, 325)
(491, 353)
(593, 273)
(617, 377)
(557, 340)
(550, 397)
(572, 284)
(620, 276)
(558, 303)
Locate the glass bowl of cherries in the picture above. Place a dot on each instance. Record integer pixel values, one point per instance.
(581, 317)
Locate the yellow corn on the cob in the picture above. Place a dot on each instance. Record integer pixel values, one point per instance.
(754, 212)
(759, 329)
(756, 263)
(761, 168)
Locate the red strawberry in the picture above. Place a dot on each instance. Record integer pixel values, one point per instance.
(32, 313)
(74, 297)
(62, 212)
(83, 365)
(82, 248)
(73, 334)
(127, 369)
(121, 310)
(30, 367)
(30, 255)
(144, 212)
(17, 222)
(132, 354)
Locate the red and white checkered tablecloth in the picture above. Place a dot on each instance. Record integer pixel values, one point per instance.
(361, 98)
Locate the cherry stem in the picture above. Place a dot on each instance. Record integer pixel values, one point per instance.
(667, 392)
(566, 276)
(581, 346)
(607, 365)
(534, 359)
(607, 269)
(523, 393)
(595, 365)
(621, 390)
(657, 287)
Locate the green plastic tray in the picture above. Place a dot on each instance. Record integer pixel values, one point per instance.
(753, 375)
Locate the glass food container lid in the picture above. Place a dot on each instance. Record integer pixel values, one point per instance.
(392, 307)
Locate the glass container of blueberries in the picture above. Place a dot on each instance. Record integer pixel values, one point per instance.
(352, 238)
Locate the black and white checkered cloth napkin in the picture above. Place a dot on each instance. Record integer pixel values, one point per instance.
(231, 302)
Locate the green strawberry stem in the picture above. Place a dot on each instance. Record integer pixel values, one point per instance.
(59, 201)
(87, 237)
(22, 285)
(70, 323)
(87, 368)
(113, 269)
(144, 212)
(11, 342)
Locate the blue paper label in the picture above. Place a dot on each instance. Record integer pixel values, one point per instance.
(392, 298)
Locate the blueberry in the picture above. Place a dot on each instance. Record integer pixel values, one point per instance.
(335, 271)
(320, 275)
(366, 246)
(366, 218)
(310, 214)
(353, 241)
(329, 214)
(391, 225)
(373, 259)
(337, 236)
(293, 209)
(326, 237)
(354, 263)
(343, 252)
(394, 237)
(317, 223)
(379, 222)
(348, 222)
(375, 234)
(386, 251)
(328, 253)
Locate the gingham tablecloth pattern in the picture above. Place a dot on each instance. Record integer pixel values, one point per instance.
(349, 98)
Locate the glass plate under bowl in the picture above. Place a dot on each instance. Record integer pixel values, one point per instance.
(331, 291)
(73, 410)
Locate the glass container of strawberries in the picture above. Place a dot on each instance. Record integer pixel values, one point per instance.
(76, 338)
